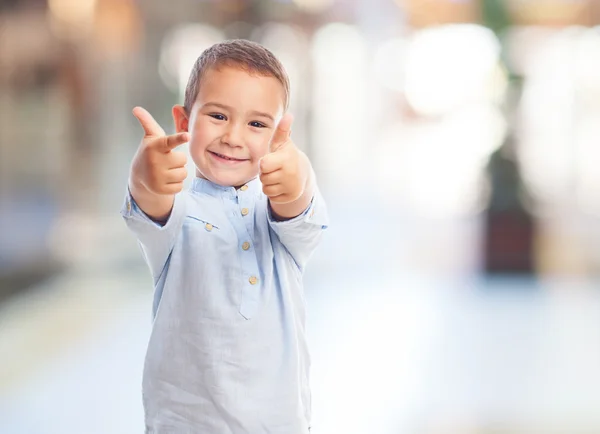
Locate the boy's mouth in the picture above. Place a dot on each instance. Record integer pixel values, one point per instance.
(227, 158)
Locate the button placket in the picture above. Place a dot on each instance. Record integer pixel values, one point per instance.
(246, 210)
(243, 223)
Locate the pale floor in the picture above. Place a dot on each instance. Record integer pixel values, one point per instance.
(393, 351)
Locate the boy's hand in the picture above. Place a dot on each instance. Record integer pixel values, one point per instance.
(285, 173)
(155, 165)
(157, 172)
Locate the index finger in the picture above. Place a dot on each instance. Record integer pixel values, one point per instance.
(173, 141)
(150, 126)
(282, 133)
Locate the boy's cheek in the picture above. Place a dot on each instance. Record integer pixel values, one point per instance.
(261, 154)
(203, 131)
(194, 146)
(199, 140)
(263, 148)
(257, 153)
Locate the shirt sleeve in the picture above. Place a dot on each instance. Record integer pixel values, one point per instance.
(302, 234)
(156, 240)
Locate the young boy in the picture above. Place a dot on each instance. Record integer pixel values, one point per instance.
(228, 351)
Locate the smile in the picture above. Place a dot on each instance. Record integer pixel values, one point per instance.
(226, 158)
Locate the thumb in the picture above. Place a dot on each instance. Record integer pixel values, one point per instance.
(282, 133)
(150, 126)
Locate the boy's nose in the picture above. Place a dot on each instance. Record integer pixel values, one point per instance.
(233, 136)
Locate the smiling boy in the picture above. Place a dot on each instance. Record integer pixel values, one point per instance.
(228, 351)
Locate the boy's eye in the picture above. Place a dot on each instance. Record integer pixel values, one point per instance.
(218, 116)
(256, 124)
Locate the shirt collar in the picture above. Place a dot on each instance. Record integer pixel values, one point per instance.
(201, 185)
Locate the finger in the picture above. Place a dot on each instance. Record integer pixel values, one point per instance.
(282, 133)
(176, 159)
(176, 175)
(273, 190)
(150, 126)
(271, 163)
(171, 142)
(282, 199)
(271, 178)
(173, 188)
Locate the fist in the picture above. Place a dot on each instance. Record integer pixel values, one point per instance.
(285, 169)
(156, 166)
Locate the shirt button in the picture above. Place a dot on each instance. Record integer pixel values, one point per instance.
(246, 245)
(253, 280)
(208, 227)
(128, 205)
(245, 211)
(244, 187)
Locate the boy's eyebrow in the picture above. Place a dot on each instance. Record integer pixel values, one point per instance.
(253, 112)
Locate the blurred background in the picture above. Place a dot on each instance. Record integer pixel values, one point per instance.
(456, 142)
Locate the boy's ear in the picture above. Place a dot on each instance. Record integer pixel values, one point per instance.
(180, 117)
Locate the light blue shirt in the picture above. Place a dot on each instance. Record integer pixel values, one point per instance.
(228, 351)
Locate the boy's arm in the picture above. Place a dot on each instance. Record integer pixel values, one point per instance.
(297, 212)
(157, 171)
(156, 207)
(302, 234)
(154, 210)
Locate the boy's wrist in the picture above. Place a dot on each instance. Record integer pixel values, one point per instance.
(155, 206)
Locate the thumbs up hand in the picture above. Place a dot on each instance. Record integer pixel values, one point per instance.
(157, 171)
(285, 173)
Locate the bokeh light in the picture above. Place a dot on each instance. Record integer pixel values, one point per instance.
(451, 66)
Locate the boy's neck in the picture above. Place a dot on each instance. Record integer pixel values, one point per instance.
(237, 187)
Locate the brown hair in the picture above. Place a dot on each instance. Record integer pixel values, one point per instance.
(248, 55)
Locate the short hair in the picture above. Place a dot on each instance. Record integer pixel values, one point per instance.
(247, 55)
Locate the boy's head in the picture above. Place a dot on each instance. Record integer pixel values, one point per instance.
(236, 95)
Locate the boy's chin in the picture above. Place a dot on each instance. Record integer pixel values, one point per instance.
(232, 181)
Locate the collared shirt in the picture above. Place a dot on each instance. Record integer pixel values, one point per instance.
(228, 351)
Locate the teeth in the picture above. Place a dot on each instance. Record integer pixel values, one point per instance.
(226, 157)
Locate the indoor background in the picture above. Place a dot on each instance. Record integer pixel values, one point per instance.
(457, 143)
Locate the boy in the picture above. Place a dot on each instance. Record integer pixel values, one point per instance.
(227, 352)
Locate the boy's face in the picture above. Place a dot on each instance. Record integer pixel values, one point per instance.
(232, 122)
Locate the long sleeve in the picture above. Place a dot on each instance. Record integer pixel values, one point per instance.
(156, 240)
(301, 235)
